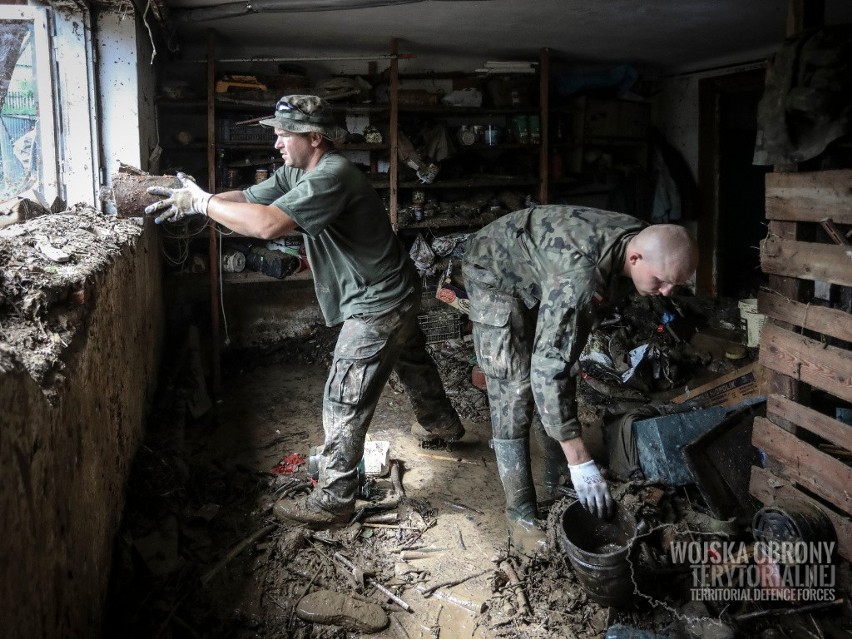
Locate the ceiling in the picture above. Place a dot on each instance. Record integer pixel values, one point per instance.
(670, 35)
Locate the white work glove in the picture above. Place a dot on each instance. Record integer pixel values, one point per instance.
(179, 203)
(591, 489)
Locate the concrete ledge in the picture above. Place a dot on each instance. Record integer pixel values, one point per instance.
(65, 457)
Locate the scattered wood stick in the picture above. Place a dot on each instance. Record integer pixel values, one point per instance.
(460, 460)
(460, 506)
(407, 555)
(324, 583)
(401, 627)
(787, 611)
(375, 584)
(429, 549)
(452, 582)
(235, 551)
(416, 537)
(382, 518)
(469, 604)
(519, 591)
(396, 479)
(398, 526)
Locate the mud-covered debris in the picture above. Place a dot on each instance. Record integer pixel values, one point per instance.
(337, 609)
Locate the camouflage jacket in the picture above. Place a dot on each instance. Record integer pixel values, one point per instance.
(563, 259)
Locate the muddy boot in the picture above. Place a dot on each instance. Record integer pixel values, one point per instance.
(513, 464)
(303, 511)
(451, 434)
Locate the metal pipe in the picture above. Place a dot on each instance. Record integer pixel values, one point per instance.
(404, 56)
(235, 9)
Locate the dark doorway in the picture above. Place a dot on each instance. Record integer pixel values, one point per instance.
(742, 219)
(733, 219)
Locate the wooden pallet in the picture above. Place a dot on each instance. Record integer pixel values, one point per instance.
(807, 452)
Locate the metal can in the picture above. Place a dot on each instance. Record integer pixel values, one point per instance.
(233, 177)
(260, 175)
(233, 262)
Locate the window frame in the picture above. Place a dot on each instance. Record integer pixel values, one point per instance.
(44, 83)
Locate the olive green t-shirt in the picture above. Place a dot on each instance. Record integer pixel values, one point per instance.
(359, 265)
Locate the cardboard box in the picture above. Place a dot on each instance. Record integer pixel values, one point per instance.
(454, 296)
(728, 390)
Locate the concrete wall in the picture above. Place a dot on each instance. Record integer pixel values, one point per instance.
(675, 109)
(63, 467)
(127, 83)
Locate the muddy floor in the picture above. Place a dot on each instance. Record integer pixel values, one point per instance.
(201, 555)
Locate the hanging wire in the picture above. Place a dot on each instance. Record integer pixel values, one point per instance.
(150, 35)
(182, 253)
(222, 290)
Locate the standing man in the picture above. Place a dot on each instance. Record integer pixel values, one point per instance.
(363, 278)
(534, 277)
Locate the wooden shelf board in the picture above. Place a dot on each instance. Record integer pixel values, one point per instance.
(175, 104)
(243, 277)
(501, 147)
(507, 181)
(362, 147)
(465, 111)
(446, 222)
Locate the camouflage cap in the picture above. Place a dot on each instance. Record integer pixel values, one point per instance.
(305, 114)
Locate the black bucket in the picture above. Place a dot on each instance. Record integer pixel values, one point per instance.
(599, 551)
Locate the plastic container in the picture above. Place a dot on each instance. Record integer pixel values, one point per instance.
(754, 321)
(493, 135)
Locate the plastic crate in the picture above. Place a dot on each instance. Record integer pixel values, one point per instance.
(429, 303)
(245, 133)
(439, 326)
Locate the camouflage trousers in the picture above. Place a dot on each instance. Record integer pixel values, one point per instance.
(503, 336)
(368, 349)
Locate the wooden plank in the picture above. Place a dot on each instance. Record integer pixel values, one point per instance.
(771, 489)
(809, 197)
(794, 289)
(829, 321)
(544, 123)
(824, 426)
(213, 237)
(820, 473)
(826, 367)
(806, 260)
(393, 125)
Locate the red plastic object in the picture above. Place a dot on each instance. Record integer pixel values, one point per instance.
(477, 377)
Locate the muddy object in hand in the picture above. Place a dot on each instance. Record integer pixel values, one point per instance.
(130, 191)
(337, 609)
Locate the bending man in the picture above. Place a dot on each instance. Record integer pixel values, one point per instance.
(534, 278)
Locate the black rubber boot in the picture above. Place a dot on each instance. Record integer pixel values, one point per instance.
(555, 466)
(513, 464)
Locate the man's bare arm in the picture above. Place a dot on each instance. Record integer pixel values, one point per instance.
(264, 221)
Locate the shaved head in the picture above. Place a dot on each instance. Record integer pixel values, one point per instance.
(661, 257)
